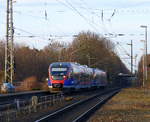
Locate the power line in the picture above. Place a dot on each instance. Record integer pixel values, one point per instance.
(121, 10)
(75, 10)
(85, 4)
(124, 59)
(102, 16)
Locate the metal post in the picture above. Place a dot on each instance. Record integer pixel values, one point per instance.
(131, 44)
(9, 47)
(145, 43)
(131, 57)
(143, 72)
(146, 50)
(146, 59)
(135, 62)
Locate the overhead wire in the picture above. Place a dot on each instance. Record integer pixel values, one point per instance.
(103, 20)
(39, 19)
(102, 15)
(119, 43)
(79, 13)
(121, 49)
(86, 5)
(43, 19)
(67, 5)
(31, 35)
(122, 10)
(35, 35)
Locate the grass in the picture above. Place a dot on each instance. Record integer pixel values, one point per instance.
(130, 105)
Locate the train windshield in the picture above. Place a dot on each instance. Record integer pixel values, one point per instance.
(59, 71)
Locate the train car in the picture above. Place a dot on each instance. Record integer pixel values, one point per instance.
(99, 78)
(124, 80)
(70, 76)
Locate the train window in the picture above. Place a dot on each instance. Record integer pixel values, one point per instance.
(55, 77)
(59, 69)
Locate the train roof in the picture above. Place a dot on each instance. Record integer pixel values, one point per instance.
(74, 64)
(60, 63)
(65, 64)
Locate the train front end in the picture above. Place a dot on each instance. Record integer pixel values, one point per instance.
(57, 76)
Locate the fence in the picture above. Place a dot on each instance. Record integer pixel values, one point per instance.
(33, 105)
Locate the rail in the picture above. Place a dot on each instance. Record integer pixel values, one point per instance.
(83, 117)
(73, 112)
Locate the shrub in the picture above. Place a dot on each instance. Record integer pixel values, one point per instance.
(28, 84)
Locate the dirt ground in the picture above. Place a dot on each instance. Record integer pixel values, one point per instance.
(130, 105)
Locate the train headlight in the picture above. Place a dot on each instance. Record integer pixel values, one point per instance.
(64, 76)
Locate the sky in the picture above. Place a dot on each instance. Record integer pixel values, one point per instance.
(37, 22)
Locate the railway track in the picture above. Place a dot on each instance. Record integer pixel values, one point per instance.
(8, 101)
(80, 110)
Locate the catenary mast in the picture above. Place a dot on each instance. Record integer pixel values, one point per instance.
(9, 47)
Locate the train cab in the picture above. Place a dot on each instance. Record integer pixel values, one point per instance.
(58, 73)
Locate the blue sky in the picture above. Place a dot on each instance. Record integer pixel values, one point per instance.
(69, 17)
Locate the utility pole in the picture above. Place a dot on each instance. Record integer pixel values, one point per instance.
(145, 44)
(131, 44)
(131, 57)
(143, 71)
(143, 66)
(9, 47)
(135, 63)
